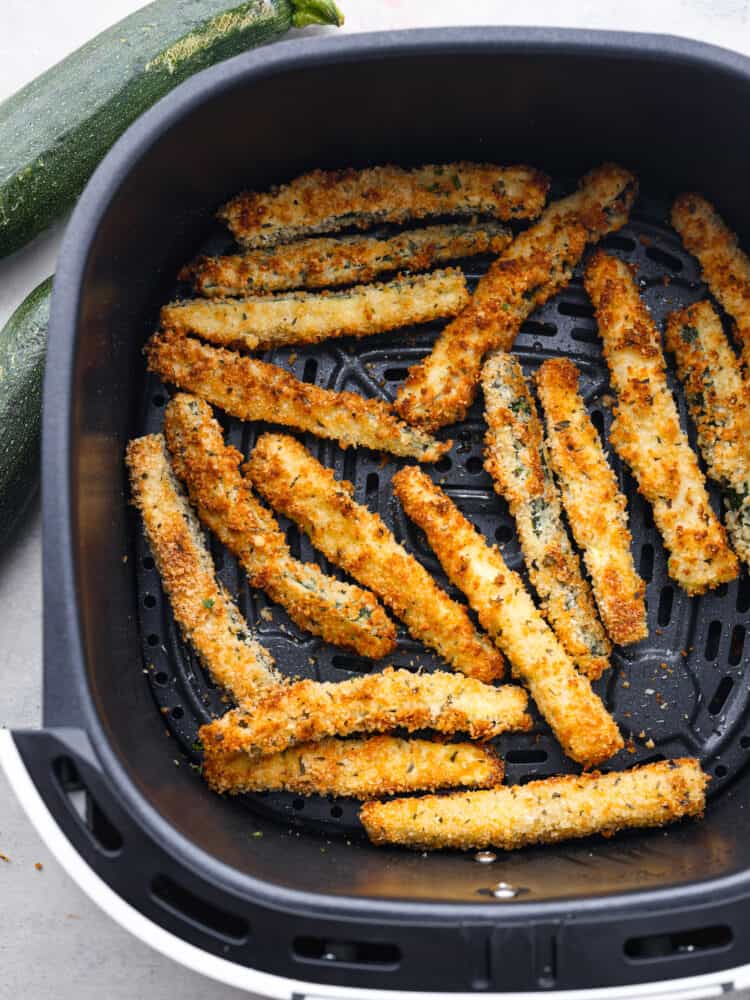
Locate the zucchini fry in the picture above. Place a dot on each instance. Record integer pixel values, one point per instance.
(347, 260)
(265, 321)
(204, 610)
(516, 458)
(256, 390)
(586, 731)
(647, 435)
(351, 536)
(311, 710)
(363, 769)
(543, 812)
(538, 263)
(719, 402)
(726, 268)
(340, 612)
(325, 201)
(597, 511)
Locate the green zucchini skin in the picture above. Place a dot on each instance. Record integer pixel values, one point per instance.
(54, 131)
(23, 343)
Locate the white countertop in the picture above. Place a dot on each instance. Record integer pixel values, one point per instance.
(54, 943)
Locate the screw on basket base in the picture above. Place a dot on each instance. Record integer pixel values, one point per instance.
(485, 857)
(503, 890)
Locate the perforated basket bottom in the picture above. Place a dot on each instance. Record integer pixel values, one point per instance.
(683, 690)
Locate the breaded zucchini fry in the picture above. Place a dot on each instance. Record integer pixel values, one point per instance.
(311, 710)
(647, 435)
(516, 458)
(342, 613)
(537, 264)
(255, 390)
(542, 812)
(324, 201)
(347, 260)
(205, 612)
(351, 536)
(597, 511)
(586, 731)
(266, 321)
(363, 769)
(726, 268)
(719, 402)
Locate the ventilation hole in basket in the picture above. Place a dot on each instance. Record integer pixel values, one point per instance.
(584, 334)
(198, 912)
(720, 696)
(292, 540)
(736, 645)
(444, 465)
(745, 742)
(337, 812)
(614, 242)
(662, 257)
(538, 329)
(351, 954)
(148, 562)
(310, 371)
(721, 771)
(395, 374)
(656, 947)
(666, 600)
(743, 594)
(84, 805)
(371, 485)
(503, 533)
(712, 640)
(474, 465)
(358, 664)
(161, 678)
(153, 639)
(597, 419)
(647, 562)
(582, 310)
(149, 601)
(526, 756)
(298, 804)
(217, 555)
(177, 712)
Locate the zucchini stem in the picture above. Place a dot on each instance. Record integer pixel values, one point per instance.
(316, 12)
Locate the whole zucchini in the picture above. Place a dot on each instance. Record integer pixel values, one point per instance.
(55, 130)
(23, 342)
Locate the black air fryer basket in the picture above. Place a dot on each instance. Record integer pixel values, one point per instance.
(283, 895)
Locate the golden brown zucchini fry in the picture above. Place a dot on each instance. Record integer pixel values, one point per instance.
(542, 812)
(342, 613)
(646, 432)
(206, 614)
(266, 321)
(719, 402)
(363, 769)
(256, 390)
(311, 710)
(347, 260)
(351, 536)
(324, 201)
(597, 511)
(586, 731)
(537, 264)
(516, 458)
(726, 268)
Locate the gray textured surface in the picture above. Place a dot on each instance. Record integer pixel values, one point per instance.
(55, 943)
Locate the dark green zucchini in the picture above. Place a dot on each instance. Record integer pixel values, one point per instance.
(55, 131)
(23, 343)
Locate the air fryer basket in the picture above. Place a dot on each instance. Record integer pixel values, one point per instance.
(290, 886)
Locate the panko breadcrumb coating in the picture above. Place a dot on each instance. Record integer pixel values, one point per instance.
(542, 812)
(351, 536)
(341, 613)
(261, 322)
(537, 264)
(361, 768)
(646, 432)
(345, 260)
(324, 201)
(516, 458)
(256, 390)
(312, 710)
(207, 615)
(597, 511)
(586, 731)
(719, 402)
